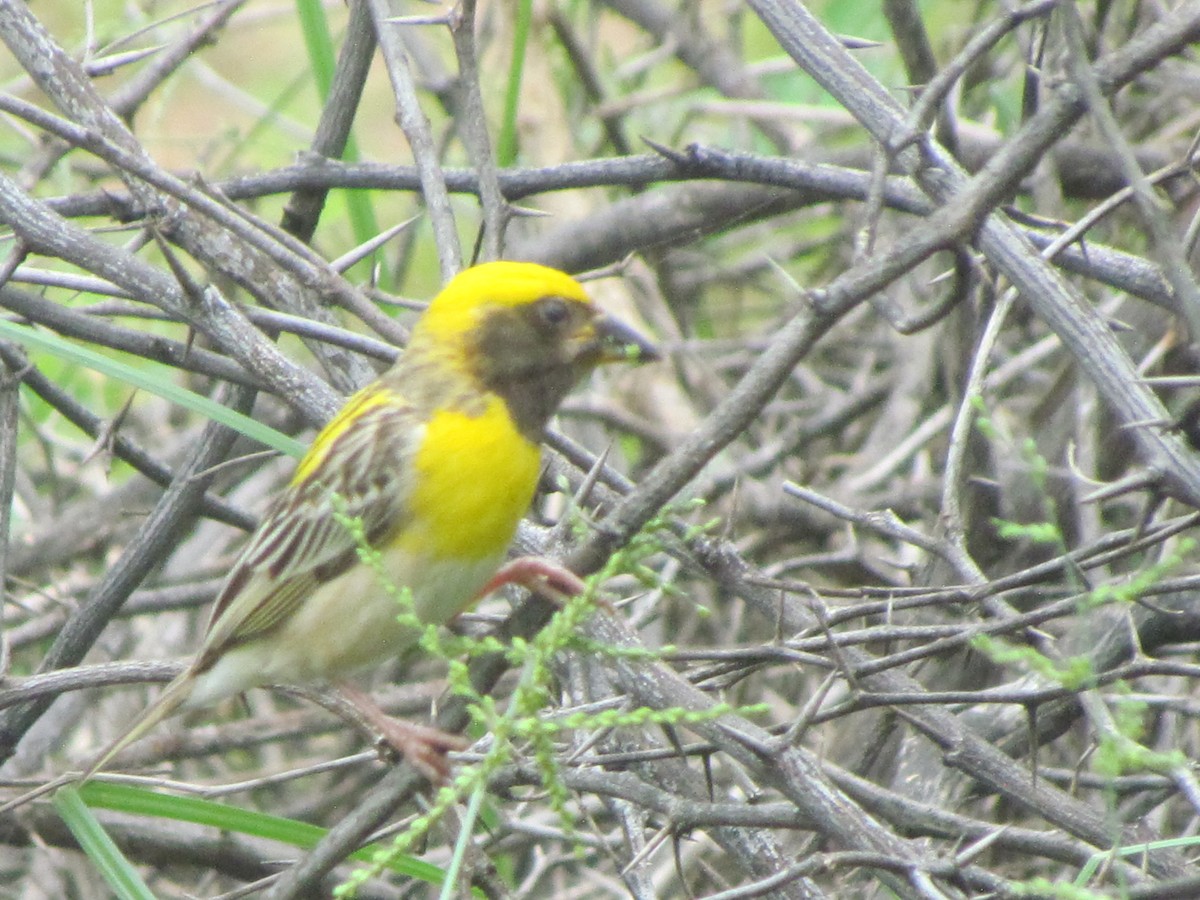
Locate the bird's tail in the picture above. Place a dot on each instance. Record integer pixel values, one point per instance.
(169, 701)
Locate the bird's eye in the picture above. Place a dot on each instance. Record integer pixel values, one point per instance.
(554, 311)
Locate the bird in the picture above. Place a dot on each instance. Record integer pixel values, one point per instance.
(439, 459)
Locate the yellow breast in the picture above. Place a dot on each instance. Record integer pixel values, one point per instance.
(475, 478)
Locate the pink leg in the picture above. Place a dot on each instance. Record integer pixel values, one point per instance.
(423, 746)
(537, 574)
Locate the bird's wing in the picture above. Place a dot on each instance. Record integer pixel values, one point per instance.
(300, 544)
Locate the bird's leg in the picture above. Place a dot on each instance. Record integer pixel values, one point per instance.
(423, 746)
(537, 574)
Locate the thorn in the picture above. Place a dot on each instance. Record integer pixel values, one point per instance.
(850, 42)
(346, 260)
(765, 749)
(527, 212)
(1136, 482)
(680, 159)
(417, 20)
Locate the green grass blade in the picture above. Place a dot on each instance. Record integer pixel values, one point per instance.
(152, 804)
(149, 379)
(506, 143)
(120, 874)
(322, 59)
(318, 42)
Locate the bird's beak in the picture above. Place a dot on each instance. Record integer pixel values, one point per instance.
(614, 341)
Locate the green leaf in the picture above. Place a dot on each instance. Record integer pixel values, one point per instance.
(120, 874)
(148, 379)
(506, 143)
(319, 43)
(152, 804)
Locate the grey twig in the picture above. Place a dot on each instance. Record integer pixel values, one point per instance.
(415, 125)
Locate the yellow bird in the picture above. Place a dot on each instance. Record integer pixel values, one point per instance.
(439, 458)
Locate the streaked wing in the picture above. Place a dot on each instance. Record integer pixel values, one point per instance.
(299, 543)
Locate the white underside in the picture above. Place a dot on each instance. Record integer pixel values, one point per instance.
(347, 625)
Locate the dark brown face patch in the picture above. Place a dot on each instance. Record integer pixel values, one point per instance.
(533, 355)
(517, 339)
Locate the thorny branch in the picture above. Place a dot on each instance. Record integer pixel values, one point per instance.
(952, 554)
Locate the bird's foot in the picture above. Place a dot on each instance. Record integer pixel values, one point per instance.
(423, 746)
(538, 574)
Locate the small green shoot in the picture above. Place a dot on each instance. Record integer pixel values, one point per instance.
(524, 718)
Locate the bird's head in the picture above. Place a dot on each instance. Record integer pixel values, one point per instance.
(527, 333)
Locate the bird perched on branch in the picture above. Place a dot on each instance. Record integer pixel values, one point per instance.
(439, 459)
